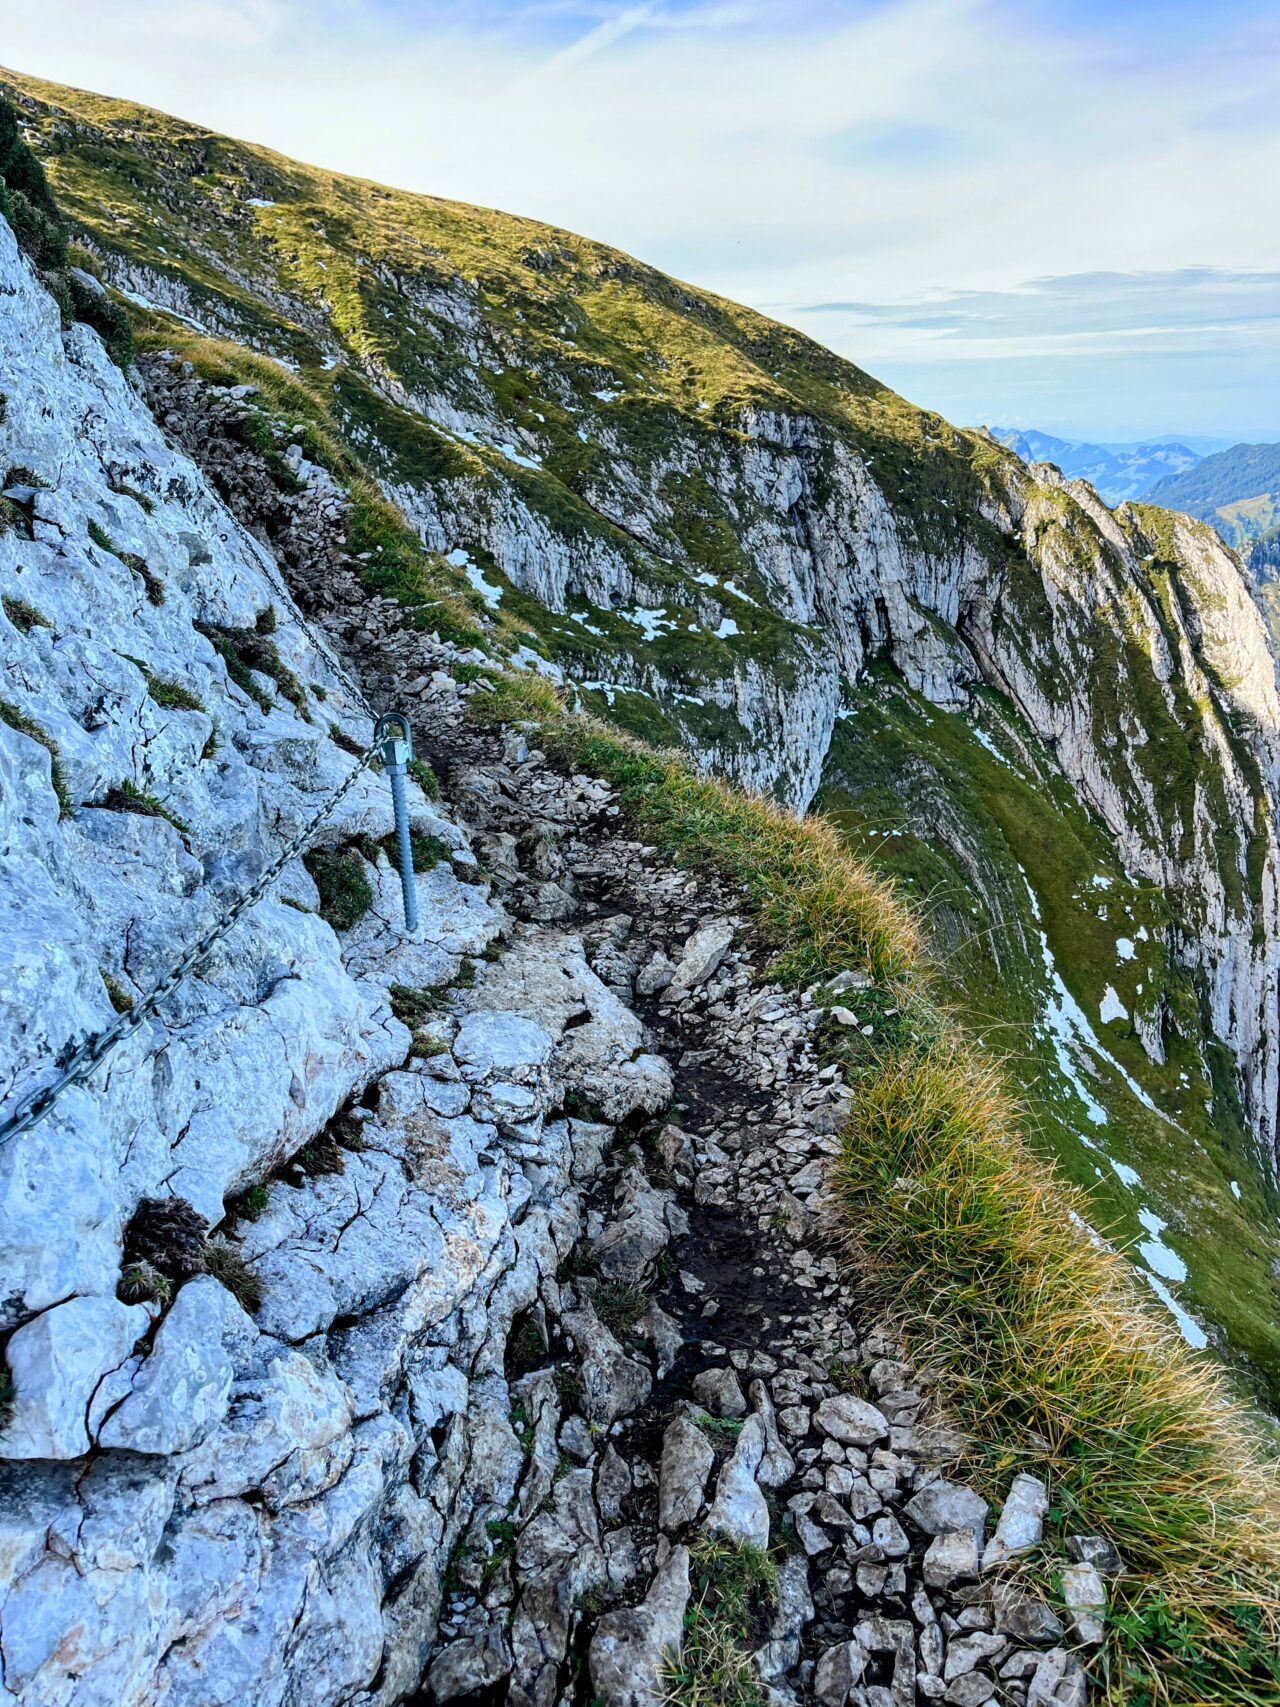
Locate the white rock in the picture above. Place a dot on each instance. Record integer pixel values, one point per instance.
(1021, 1523)
(56, 1363)
(739, 1512)
(180, 1393)
(850, 1420)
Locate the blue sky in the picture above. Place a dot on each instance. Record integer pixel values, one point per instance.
(1052, 213)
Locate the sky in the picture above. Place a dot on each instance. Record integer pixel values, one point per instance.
(1048, 213)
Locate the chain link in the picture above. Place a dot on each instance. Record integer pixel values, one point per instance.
(94, 1050)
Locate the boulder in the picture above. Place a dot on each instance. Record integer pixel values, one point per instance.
(630, 1647)
(686, 1463)
(56, 1362)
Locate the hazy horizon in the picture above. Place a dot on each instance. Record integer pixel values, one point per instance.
(1043, 215)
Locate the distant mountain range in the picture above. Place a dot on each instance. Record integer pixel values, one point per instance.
(1238, 491)
(1115, 471)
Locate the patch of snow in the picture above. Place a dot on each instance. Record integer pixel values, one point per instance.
(607, 396)
(1235, 1189)
(726, 628)
(1111, 1007)
(651, 623)
(1155, 1252)
(984, 740)
(738, 593)
(259, 201)
(1125, 1174)
(1124, 948)
(581, 618)
(1187, 1325)
(1101, 882)
(525, 658)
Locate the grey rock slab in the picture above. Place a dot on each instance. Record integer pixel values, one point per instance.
(739, 1512)
(464, 1667)
(719, 1392)
(181, 1391)
(777, 1466)
(702, 955)
(851, 1421)
(1021, 1614)
(613, 1384)
(1058, 1681)
(792, 1612)
(839, 1669)
(1085, 1596)
(56, 1363)
(1021, 1523)
(630, 1647)
(945, 1506)
(951, 1558)
(687, 1458)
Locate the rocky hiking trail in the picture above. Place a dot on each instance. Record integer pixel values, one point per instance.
(698, 1378)
(700, 1472)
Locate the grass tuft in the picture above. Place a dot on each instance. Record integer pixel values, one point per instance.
(346, 894)
(17, 719)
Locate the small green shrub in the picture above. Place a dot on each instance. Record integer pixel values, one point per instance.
(18, 719)
(346, 894)
(245, 649)
(249, 1204)
(121, 1000)
(425, 777)
(140, 1283)
(128, 797)
(173, 696)
(224, 1262)
(23, 616)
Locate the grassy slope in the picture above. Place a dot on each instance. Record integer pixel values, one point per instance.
(964, 832)
(1047, 1348)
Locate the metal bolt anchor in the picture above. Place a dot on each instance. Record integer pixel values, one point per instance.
(394, 740)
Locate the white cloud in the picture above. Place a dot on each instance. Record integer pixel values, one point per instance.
(890, 155)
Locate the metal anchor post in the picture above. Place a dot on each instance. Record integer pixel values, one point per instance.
(394, 739)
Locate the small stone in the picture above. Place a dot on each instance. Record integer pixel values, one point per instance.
(1058, 1681)
(1085, 1595)
(836, 1673)
(971, 1690)
(944, 1506)
(1023, 1615)
(719, 1391)
(1095, 1550)
(686, 1462)
(1021, 1523)
(703, 954)
(850, 1420)
(951, 1558)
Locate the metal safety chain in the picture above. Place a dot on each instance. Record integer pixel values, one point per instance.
(93, 1051)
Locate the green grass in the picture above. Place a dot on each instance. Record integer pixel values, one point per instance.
(1046, 1350)
(733, 1590)
(18, 719)
(963, 835)
(24, 616)
(128, 797)
(346, 894)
